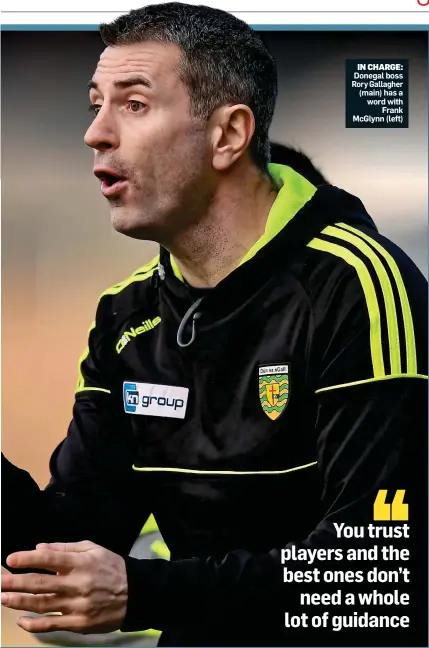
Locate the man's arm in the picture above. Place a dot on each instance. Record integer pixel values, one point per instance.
(91, 494)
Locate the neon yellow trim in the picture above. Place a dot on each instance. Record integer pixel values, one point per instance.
(386, 287)
(160, 549)
(113, 290)
(152, 265)
(223, 472)
(370, 297)
(410, 342)
(370, 380)
(175, 268)
(100, 389)
(293, 192)
(150, 526)
(141, 633)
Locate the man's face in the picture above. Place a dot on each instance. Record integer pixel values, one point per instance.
(151, 155)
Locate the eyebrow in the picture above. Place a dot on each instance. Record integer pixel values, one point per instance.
(126, 83)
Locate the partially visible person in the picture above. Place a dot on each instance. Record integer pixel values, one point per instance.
(297, 160)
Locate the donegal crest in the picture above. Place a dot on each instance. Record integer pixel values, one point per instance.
(274, 389)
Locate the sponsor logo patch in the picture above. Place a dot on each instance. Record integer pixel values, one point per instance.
(147, 399)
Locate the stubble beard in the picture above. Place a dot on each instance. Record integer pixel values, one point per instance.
(178, 202)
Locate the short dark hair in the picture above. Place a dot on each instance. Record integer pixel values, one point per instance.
(223, 60)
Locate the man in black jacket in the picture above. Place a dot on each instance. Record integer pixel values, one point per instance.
(271, 361)
(149, 543)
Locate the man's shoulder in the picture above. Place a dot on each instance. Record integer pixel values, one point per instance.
(128, 295)
(359, 254)
(363, 284)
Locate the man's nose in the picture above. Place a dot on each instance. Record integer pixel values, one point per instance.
(103, 134)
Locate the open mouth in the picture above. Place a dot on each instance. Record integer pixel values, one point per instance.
(111, 182)
(109, 179)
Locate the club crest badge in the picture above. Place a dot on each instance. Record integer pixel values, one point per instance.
(274, 389)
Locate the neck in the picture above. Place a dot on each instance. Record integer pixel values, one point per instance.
(214, 245)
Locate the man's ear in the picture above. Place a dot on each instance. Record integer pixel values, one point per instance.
(233, 129)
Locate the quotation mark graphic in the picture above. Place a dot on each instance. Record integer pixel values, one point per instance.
(397, 510)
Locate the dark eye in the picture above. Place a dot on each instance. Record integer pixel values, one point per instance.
(136, 106)
(94, 109)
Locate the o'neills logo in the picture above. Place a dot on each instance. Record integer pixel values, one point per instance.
(147, 325)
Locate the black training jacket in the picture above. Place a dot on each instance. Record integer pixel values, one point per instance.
(249, 419)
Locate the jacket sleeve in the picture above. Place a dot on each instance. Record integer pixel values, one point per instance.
(371, 435)
(91, 494)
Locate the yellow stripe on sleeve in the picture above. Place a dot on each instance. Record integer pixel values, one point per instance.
(370, 297)
(386, 287)
(410, 342)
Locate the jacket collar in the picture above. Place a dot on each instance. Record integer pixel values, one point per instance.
(293, 192)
